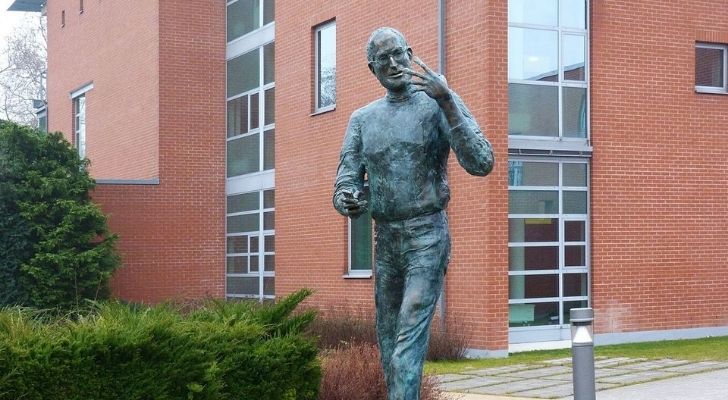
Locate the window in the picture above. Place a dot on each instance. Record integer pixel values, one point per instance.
(63, 18)
(250, 133)
(43, 120)
(360, 244)
(250, 269)
(251, 112)
(79, 124)
(711, 68)
(325, 67)
(548, 251)
(245, 16)
(80, 6)
(547, 69)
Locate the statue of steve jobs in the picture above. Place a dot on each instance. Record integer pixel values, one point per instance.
(401, 143)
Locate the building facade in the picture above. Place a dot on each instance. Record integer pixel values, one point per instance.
(213, 129)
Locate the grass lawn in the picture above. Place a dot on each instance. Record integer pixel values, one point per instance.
(697, 349)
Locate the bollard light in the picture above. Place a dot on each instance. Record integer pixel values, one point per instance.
(582, 329)
(582, 353)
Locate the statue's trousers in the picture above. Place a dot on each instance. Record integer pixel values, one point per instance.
(411, 260)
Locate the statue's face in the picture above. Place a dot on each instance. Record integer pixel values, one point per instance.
(390, 57)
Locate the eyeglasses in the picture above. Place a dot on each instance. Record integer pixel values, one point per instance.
(399, 56)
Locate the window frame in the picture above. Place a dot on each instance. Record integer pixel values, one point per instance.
(262, 180)
(79, 137)
(560, 141)
(79, 128)
(714, 89)
(317, 51)
(562, 269)
(260, 253)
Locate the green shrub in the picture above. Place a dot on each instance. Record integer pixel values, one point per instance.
(222, 350)
(55, 247)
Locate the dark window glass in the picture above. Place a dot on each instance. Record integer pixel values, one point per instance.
(269, 151)
(254, 111)
(533, 258)
(270, 262)
(709, 67)
(575, 174)
(243, 223)
(237, 244)
(270, 243)
(269, 287)
(533, 286)
(575, 231)
(243, 202)
(269, 60)
(533, 230)
(237, 116)
(533, 110)
(533, 202)
(575, 285)
(575, 202)
(574, 106)
(237, 265)
(268, 11)
(533, 314)
(243, 285)
(269, 220)
(269, 199)
(270, 106)
(243, 155)
(243, 16)
(522, 173)
(575, 256)
(243, 73)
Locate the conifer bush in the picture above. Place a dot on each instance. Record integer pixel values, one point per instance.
(55, 247)
(223, 350)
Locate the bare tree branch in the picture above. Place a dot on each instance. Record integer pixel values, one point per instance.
(22, 76)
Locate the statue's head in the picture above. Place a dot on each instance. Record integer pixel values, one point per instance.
(388, 53)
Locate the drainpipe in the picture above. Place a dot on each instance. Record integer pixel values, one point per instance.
(441, 70)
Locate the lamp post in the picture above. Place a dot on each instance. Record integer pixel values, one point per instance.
(582, 353)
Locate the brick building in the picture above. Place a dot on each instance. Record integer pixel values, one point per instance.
(214, 128)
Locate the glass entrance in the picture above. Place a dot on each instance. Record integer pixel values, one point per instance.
(548, 246)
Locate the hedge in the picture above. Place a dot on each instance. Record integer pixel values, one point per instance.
(223, 350)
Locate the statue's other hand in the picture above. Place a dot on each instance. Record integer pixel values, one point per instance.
(432, 83)
(353, 205)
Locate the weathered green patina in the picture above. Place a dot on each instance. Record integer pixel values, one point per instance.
(401, 143)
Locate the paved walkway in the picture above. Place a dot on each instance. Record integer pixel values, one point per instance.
(617, 378)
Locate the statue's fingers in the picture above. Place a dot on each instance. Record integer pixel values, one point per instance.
(413, 73)
(424, 66)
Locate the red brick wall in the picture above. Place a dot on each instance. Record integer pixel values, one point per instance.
(311, 243)
(659, 178)
(115, 46)
(171, 234)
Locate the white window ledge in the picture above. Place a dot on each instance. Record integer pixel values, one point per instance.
(363, 274)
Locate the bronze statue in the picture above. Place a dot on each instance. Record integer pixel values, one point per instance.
(401, 143)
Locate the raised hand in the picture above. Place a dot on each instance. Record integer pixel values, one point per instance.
(432, 83)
